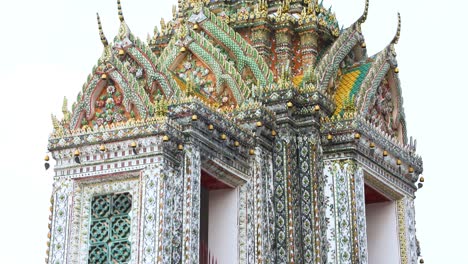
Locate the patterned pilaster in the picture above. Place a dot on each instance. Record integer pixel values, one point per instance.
(252, 224)
(359, 211)
(287, 202)
(152, 218)
(317, 202)
(341, 233)
(328, 228)
(59, 228)
(294, 203)
(269, 211)
(308, 48)
(279, 170)
(259, 217)
(244, 240)
(263, 218)
(261, 41)
(177, 205)
(253, 237)
(191, 205)
(306, 171)
(342, 197)
(407, 231)
(171, 180)
(283, 47)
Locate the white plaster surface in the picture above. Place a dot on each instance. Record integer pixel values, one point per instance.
(382, 233)
(222, 229)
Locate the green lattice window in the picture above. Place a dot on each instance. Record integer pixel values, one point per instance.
(110, 229)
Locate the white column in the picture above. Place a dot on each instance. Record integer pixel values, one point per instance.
(60, 220)
(153, 186)
(191, 205)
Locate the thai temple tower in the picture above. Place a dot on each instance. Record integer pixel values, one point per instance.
(249, 131)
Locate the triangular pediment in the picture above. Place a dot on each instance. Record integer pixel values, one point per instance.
(385, 110)
(197, 78)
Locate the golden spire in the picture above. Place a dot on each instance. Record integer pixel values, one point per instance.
(363, 18)
(397, 35)
(119, 7)
(101, 33)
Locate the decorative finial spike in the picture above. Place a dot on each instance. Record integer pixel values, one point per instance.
(397, 35)
(119, 6)
(65, 104)
(363, 18)
(101, 33)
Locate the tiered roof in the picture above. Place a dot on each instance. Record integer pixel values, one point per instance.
(234, 55)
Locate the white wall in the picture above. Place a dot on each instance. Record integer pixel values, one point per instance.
(382, 233)
(222, 229)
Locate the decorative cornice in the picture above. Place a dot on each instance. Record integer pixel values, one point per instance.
(108, 133)
(344, 131)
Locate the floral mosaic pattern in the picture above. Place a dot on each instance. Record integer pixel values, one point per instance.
(306, 170)
(191, 202)
(151, 215)
(338, 192)
(109, 108)
(59, 238)
(198, 78)
(411, 230)
(279, 172)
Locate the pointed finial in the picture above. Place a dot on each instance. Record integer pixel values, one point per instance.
(66, 113)
(174, 11)
(397, 35)
(55, 123)
(65, 104)
(121, 17)
(101, 33)
(363, 18)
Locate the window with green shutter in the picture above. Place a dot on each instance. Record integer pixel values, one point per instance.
(110, 229)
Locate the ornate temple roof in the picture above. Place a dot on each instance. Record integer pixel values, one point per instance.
(231, 56)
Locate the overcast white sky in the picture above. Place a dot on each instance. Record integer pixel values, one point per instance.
(50, 46)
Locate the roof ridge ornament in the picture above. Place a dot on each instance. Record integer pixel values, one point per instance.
(198, 14)
(198, 5)
(124, 30)
(101, 33)
(363, 18)
(107, 53)
(119, 8)
(397, 34)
